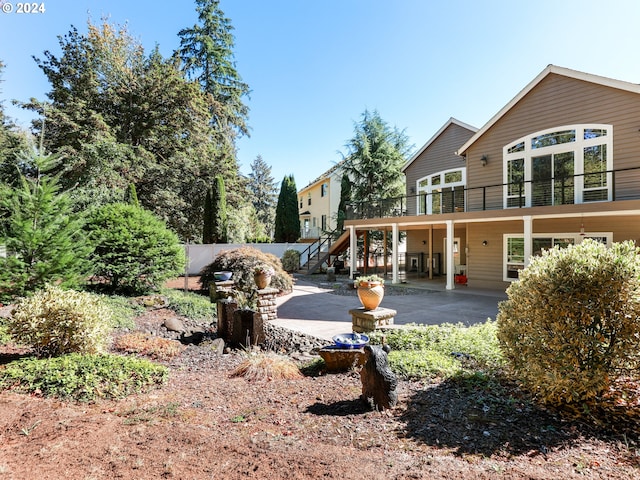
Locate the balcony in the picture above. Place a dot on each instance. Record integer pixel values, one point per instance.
(610, 185)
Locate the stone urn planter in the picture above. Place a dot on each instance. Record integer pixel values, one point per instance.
(370, 291)
(262, 276)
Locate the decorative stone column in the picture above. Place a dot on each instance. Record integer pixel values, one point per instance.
(220, 290)
(267, 306)
(368, 320)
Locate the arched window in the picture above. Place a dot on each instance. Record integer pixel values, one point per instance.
(442, 192)
(558, 166)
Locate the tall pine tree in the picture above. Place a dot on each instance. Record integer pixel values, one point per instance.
(263, 190)
(287, 222)
(206, 51)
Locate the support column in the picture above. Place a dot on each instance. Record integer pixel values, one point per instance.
(528, 238)
(450, 260)
(394, 253)
(353, 250)
(431, 253)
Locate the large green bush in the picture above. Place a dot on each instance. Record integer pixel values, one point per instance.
(242, 261)
(571, 324)
(55, 322)
(134, 250)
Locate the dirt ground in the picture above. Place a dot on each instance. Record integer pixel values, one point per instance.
(205, 424)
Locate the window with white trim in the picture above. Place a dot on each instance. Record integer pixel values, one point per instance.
(559, 166)
(442, 192)
(514, 260)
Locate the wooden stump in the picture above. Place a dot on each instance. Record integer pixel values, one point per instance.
(226, 307)
(379, 383)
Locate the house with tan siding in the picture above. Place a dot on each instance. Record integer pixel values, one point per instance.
(558, 164)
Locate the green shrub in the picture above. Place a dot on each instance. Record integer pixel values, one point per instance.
(414, 364)
(191, 305)
(571, 323)
(291, 260)
(242, 262)
(123, 311)
(83, 377)
(5, 338)
(134, 250)
(423, 351)
(55, 322)
(260, 239)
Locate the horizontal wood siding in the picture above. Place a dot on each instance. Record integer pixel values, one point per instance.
(558, 100)
(438, 156)
(623, 228)
(484, 263)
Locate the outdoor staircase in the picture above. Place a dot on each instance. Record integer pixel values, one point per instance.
(323, 252)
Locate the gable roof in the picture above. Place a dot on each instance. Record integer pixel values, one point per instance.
(566, 72)
(451, 121)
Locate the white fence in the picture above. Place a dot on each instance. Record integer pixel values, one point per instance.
(202, 255)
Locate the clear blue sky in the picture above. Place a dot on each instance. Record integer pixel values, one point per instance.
(315, 66)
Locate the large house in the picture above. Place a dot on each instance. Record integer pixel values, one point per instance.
(318, 204)
(558, 164)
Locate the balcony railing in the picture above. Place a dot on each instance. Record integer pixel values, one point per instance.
(609, 185)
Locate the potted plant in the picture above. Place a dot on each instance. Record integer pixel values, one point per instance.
(262, 275)
(370, 289)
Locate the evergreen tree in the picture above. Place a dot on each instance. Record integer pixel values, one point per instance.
(376, 155)
(43, 237)
(207, 227)
(219, 211)
(263, 191)
(345, 197)
(206, 51)
(287, 221)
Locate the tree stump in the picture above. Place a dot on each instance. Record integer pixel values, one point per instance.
(379, 383)
(226, 307)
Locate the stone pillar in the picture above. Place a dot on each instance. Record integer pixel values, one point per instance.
(220, 290)
(267, 307)
(226, 307)
(248, 328)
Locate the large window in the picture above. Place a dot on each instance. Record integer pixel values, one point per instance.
(514, 259)
(442, 192)
(559, 166)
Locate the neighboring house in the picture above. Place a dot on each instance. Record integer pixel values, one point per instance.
(559, 163)
(318, 204)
